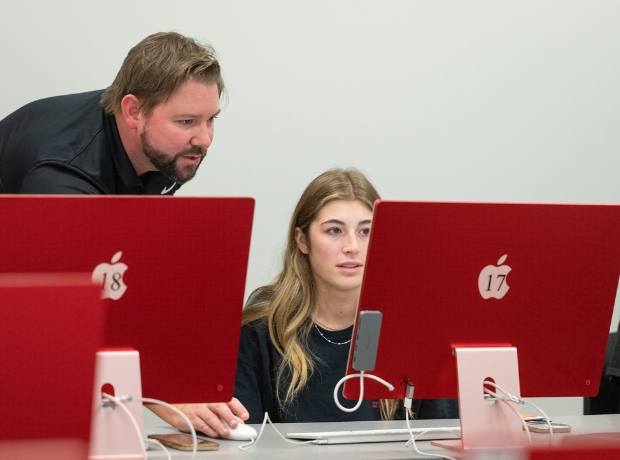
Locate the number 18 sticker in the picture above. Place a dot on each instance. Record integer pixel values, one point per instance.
(110, 277)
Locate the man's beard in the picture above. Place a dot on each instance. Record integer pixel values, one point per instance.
(168, 165)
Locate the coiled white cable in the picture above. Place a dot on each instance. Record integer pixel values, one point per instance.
(361, 376)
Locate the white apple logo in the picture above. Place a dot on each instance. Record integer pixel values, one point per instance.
(492, 280)
(111, 278)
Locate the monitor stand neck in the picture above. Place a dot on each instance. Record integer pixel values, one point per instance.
(112, 433)
(487, 424)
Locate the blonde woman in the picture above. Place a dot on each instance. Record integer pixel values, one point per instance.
(297, 330)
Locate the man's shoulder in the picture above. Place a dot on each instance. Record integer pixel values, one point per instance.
(64, 101)
(54, 110)
(86, 95)
(58, 138)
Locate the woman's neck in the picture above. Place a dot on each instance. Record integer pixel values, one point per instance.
(336, 311)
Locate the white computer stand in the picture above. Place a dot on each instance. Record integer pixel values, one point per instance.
(484, 424)
(113, 435)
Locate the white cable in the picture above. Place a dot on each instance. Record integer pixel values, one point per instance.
(122, 405)
(507, 401)
(545, 417)
(361, 376)
(413, 439)
(178, 411)
(519, 400)
(266, 419)
(156, 442)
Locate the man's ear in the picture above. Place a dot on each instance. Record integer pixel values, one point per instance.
(130, 107)
(301, 240)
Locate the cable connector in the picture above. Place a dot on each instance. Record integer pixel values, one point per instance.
(409, 395)
(108, 403)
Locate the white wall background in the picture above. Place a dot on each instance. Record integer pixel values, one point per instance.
(436, 100)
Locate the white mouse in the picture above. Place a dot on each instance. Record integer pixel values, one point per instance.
(243, 432)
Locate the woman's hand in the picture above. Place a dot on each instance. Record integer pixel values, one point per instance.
(206, 417)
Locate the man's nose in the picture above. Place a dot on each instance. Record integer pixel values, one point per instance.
(203, 137)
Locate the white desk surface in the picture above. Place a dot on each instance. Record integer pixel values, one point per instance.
(271, 446)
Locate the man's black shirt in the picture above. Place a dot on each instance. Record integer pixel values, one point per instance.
(68, 145)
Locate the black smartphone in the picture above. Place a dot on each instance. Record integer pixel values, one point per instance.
(181, 441)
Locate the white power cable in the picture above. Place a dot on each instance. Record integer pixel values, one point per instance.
(413, 439)
(266, 419)
(507, 401)
(361, 376)
(518, 400)
(178, 411)
(118, 402)
(125, 399)
(159, 444)
(407, 403)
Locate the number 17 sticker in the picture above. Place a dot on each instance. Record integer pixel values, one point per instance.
(492, 280)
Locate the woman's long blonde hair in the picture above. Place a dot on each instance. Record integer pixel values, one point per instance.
(289, 301)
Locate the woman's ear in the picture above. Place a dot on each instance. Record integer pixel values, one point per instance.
(300, 239)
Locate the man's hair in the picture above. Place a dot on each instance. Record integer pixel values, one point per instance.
(157, 66)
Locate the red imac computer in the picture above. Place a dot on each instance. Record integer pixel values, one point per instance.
(171, 272)
(51, 328)
(520, 295)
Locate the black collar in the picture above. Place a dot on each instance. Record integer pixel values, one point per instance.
(149, 183)
(123, 165)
